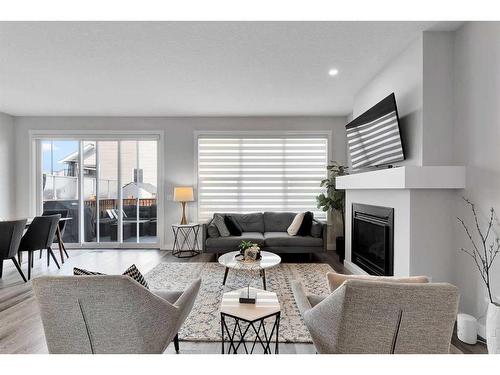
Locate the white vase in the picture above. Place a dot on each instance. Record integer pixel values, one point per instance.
(493, 328)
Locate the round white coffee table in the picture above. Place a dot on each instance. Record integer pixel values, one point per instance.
(268, 260)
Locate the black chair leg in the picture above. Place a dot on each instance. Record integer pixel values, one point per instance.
(53, 256)
(19, 269)
(48, 259)
(30, 253)
(176, 343)
(41, 253)
(1, 268)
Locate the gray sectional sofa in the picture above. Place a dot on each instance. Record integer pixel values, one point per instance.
(269, 231)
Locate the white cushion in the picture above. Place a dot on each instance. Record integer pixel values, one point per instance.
(293, 229)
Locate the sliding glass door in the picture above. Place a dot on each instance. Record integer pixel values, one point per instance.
(107, 187)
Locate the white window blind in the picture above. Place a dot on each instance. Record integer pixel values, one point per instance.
(254, 174)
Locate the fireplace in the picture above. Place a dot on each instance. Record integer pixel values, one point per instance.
(373, 239)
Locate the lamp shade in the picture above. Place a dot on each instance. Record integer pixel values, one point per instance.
(183, 194)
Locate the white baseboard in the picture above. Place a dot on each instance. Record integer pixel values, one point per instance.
(351, 267)
(481, 330)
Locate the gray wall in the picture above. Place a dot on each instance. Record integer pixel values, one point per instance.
(422, 79)
(7, 167)
(437, 90)
(477, 144)
(403, 76)
(179, 144)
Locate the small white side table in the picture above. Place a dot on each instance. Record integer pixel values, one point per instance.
(186, 240)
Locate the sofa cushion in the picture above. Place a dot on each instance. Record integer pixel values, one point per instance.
(305, 227)
(218, 221)
(336, 279)
(234, 241)
(278, 221)
(316, 229)
(293, 229)
(212, 230)
(232, 225)
(283, 239)
(253, 222)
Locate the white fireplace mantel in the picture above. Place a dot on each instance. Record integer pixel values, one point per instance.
(424, 200)
(406, 177)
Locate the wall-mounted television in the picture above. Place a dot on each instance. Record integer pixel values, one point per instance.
(373, 138)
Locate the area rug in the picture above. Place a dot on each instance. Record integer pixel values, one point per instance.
(203, 324)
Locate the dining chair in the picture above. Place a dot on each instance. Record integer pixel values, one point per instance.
(62, 226)
(11, 233)
(39, 236)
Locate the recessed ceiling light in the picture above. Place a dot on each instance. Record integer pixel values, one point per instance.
(333, 72)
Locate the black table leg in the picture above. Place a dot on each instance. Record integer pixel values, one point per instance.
(263, 274)
(225, 276)
(236, 338)
(176, 343)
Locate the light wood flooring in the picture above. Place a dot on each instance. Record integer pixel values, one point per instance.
(21, 328)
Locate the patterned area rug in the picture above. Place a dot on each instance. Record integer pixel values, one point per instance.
(203, 324)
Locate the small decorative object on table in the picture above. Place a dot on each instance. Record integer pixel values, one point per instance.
(248, 295)
(484, 251)
(249, 252)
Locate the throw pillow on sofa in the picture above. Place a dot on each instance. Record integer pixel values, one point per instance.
(232, 225)
(212, 230)
(132, 272)
(293, 229)
(316, 229)
(305, 227)
(221, 226)
(336, 279)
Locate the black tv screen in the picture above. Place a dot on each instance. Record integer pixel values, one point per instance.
(373, 138)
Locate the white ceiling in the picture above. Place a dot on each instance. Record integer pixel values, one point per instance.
(193, 68)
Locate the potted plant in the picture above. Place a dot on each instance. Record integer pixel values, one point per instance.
(334, 200)
(484, 251)
(249, 251)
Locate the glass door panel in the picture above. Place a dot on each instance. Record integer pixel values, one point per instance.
(147, 182)
(108, 190)
(89, 192)
(129, 186)
(60, 183)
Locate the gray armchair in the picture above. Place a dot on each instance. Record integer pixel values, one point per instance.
(110, 314)
(374, 317)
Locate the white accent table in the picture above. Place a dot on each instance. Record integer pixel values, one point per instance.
(268, 260)
(249, 318)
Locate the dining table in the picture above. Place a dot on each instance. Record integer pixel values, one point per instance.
(62, 248)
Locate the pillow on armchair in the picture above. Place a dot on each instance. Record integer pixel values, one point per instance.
(336, 279)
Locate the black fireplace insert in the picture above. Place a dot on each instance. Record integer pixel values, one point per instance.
(373, 239)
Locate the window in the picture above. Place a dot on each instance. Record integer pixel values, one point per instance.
(112, 198)
(256, 174)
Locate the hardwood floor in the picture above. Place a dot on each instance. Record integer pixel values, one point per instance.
(20, 324)
(21, 328)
